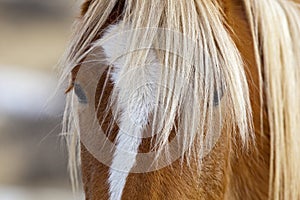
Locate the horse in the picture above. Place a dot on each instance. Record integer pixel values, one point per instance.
(184, 99)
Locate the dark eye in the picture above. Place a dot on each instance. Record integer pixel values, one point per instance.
(218, 94)
(80, 94)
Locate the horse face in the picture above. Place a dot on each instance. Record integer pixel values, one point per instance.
(231, 176)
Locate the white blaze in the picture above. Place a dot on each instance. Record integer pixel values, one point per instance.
(136, 91)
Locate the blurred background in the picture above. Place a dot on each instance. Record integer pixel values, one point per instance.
(33, 35)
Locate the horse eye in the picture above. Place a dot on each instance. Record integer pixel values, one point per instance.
(218, 95)
(80, 94)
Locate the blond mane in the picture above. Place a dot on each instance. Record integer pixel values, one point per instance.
(275, 27)
(198, 57)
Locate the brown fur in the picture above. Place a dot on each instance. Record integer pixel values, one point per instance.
(249, 171)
